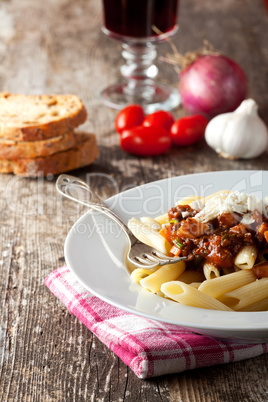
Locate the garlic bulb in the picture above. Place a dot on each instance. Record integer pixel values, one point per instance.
(240, 134)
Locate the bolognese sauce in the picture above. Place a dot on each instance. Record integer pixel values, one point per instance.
(216, 241)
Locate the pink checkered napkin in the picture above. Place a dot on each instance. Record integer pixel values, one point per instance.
(150, 348)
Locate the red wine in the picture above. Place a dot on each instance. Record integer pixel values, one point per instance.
(135, 18)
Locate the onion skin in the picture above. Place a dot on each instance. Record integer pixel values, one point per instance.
(211, 85)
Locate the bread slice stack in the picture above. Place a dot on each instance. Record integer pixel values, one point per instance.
(37, 135)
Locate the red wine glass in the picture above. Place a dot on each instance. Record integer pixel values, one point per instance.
(140, 25)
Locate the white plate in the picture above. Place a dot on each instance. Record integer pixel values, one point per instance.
(95, 246)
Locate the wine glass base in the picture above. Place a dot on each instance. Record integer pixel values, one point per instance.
(152, 98)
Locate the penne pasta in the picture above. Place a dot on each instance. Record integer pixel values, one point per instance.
(162, 219)
(189, 200)
(186, 294)
(246, 295)
(148, 236)
(260, 305)
(211, 271)
(141, 273)
(195, 284)
(190, 276)
(166, 273)
(218, 286)
(152, 223)
(246, 257)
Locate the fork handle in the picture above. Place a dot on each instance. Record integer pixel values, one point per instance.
(78, 190)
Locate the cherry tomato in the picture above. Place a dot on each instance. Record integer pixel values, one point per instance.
(130, 116)
(160, 118)
(188, 130)
(145, 141)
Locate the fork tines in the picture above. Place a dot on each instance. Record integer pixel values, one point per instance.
(156, 258)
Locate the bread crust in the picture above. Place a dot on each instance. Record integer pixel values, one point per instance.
(39, 117)
(83, 154)
(10, 149)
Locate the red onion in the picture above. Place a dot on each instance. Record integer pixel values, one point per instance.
(211, 85)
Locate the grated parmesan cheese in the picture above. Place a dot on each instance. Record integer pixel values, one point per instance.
(230, 202)
(197, 205)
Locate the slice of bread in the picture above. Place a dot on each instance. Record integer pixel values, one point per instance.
(38, 117)
(10, 149)
(83, 154)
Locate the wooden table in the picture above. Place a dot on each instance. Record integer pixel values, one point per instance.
(57, 47)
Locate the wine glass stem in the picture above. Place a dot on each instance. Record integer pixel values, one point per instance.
(139, 69)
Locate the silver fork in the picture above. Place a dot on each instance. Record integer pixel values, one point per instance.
(139, 254)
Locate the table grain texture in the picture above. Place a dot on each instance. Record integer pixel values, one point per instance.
(56, 46)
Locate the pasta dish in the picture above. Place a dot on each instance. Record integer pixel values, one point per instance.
(224, 238)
